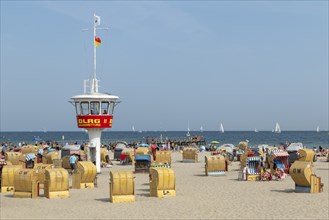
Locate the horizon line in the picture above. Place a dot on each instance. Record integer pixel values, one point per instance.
(139, 131)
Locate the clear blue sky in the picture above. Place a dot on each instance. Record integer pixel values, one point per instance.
(246, 64)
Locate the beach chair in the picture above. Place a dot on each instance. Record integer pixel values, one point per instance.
(253, 165)
(122, 186)
(85, 175)
(7, 177)
(26, 183)
(56, 183)
(163, 157)
(305, 180)
(190, 155)
(215, 165)
(142, 163)
(279, 159)
(162, 182)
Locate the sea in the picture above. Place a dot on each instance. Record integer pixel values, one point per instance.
(310, 139)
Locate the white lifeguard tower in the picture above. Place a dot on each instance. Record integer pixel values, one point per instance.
(94, 110)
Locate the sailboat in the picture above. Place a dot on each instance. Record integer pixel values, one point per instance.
(188, 130)
(201, 129)
(221, 128)
(318, 129)
(277, 128)
(256, 130)
(133, 128)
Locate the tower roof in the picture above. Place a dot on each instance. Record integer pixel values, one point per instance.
(95, 96)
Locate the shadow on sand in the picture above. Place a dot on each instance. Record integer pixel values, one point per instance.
(143, 194)
(144, 190)
(107, 200)
(283, 191)
(203, 175)
(9, 195)
(236, 179)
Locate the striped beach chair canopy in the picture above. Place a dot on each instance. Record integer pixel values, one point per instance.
(253, 159)
(30, 156)
(280, 153)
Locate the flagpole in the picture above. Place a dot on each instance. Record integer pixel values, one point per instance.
(95, 86)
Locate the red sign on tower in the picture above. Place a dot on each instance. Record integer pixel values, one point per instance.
(94, 121)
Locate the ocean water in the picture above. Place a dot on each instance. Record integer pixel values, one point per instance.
(310, 139)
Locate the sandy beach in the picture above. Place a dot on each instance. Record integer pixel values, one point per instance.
(198, 197)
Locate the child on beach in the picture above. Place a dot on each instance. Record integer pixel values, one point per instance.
(73, 161)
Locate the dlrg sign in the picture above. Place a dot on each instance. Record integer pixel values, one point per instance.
(94, 121)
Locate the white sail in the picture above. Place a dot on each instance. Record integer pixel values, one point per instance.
(221, 128)
(188, 129)
(188, 132)
(277, 128)
(318, 129)
(133, 128)
(256, 130)
(201, 129)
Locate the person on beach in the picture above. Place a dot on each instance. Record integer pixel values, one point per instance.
(154, 150)
(29, 163)
(73, 161)
(39, 155)
(245, 172)
(3, 150)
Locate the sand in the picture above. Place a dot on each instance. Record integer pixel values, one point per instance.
(198, 197)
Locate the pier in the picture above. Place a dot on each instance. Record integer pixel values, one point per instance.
(174, 141)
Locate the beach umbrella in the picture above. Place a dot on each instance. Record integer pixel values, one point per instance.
(143, 145)
(227, 147)
(30, 156)
(120, 146)
(295, 147)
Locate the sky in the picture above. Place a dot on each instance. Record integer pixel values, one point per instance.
(173, 64)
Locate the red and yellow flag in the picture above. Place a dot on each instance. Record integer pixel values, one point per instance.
(97, 41)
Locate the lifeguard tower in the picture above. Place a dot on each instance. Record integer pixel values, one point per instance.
(94, 110)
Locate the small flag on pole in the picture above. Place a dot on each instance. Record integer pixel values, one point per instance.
(97, 20)
(97, 41)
